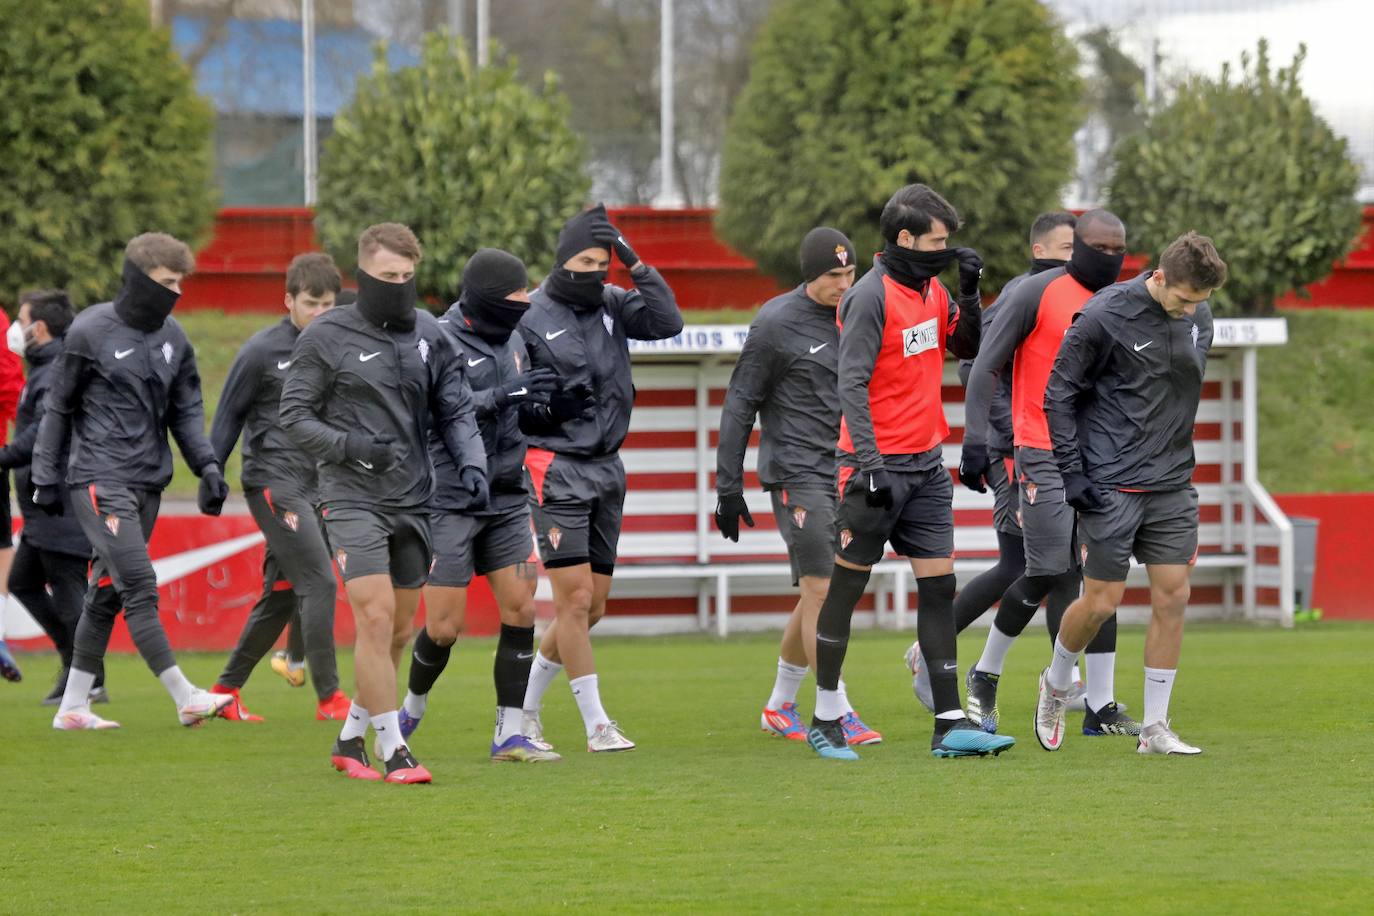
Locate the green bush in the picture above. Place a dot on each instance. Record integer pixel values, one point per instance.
(102, 136)
(1249, 163)
(467, 158)
(846, 102)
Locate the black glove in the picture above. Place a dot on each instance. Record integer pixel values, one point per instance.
(973, 467)
(213, 491)
(877, 488)
(730, 508)
(575, 403)
(9, 459)
(475, 482)
(49, 499)
(533, 384)
(605, 232)
(970, 272)
(374, 451)
(1082, 493)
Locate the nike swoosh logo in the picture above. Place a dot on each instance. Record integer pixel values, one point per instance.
(820, 348)
(1139, 347)
(951, 667)
(872, 485)
(120, 354)
(524, 656)
(521, 392)
(283, 365)
(473, 362)
(364, 357)
(552, 334)
(366, 464)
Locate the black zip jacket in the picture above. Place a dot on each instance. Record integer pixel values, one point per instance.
(488, 367)
(788, 376)
(997, 432)
(58, 533)
(348, 375)
(116, 392)
(251, 404)
(590, 347)
(1124, 391)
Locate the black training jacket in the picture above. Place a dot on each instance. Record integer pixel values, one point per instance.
(58, 533)
(1124, 391)
(788, 376)
(998, 431)
(116, 392)
(251, 404)
(590, 347)
(348, 375)
(488, 367)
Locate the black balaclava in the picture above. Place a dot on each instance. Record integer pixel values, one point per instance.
(489, 277)
(1093, 269)
(1040, 265)
(580, 289)
(387, 305)
(912, 268)
(143, 303)
(824, 249)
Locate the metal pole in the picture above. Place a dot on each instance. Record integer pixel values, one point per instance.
(456, 15)
(667, 196)
(483, 31)
(308, 113)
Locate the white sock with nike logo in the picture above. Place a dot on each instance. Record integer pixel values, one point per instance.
(843, 694)
(355, 726)
(507, 724)
(587, 693)
(388, 728)
(786, 684)
(1159, 683)
(1061, 669)
(542, 673)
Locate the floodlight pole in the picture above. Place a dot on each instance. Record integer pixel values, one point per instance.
(483, 31)
(308, 106)
(456, 15)
(667, 194)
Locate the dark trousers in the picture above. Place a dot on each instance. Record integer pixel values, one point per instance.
(36, 572)
(297, 576)
(118, 521)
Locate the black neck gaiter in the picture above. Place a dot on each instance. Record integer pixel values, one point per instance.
(1040, 265)
(1094, 269)
(580, 290)
(387, 305)
(914, 269)
(492, 319)
(143, 303)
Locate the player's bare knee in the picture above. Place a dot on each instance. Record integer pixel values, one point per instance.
(445, 632)
(576, 603)
(1173, 600)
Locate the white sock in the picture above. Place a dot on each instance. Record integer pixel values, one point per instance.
(829, 705)
(507, 724)
(78, 691)
(355, 726)
(542, 673)
(995, 651)
(587, 693)
(1159, 683)
(415, 704)
(950, 714)
(1077, 675)
(176, 684)
(1101, 678)
(785, 685)
(1061, 668)
(388, 728)
(293, 665)
(844, 698)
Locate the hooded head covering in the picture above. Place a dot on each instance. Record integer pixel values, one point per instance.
(489, 277)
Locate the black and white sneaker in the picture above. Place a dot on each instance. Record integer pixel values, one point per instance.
(981, 689)
(1110, 720)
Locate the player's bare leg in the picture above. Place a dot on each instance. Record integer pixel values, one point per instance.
(1169, 593)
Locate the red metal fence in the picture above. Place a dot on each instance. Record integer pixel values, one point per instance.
(243, 267)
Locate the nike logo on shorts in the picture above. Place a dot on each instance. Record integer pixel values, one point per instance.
(120, 354)
(283, 364)
(820, 348)
(473, 362)
(366, 464)
(872, 485)
(550, 335)
(519, 392)
(1139, 347)
(364, 357)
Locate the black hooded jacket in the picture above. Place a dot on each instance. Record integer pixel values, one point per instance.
(58, 533)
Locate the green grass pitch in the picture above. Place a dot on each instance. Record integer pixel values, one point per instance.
(709, 814)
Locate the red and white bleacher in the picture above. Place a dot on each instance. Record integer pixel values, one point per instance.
(677, 574)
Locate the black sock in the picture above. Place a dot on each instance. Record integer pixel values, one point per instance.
(1064, 589)
(511, 670)
(1020, 602)
(832, 626)
(982, 592)
(428, 660)
(1105, 640)
(935, 630)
